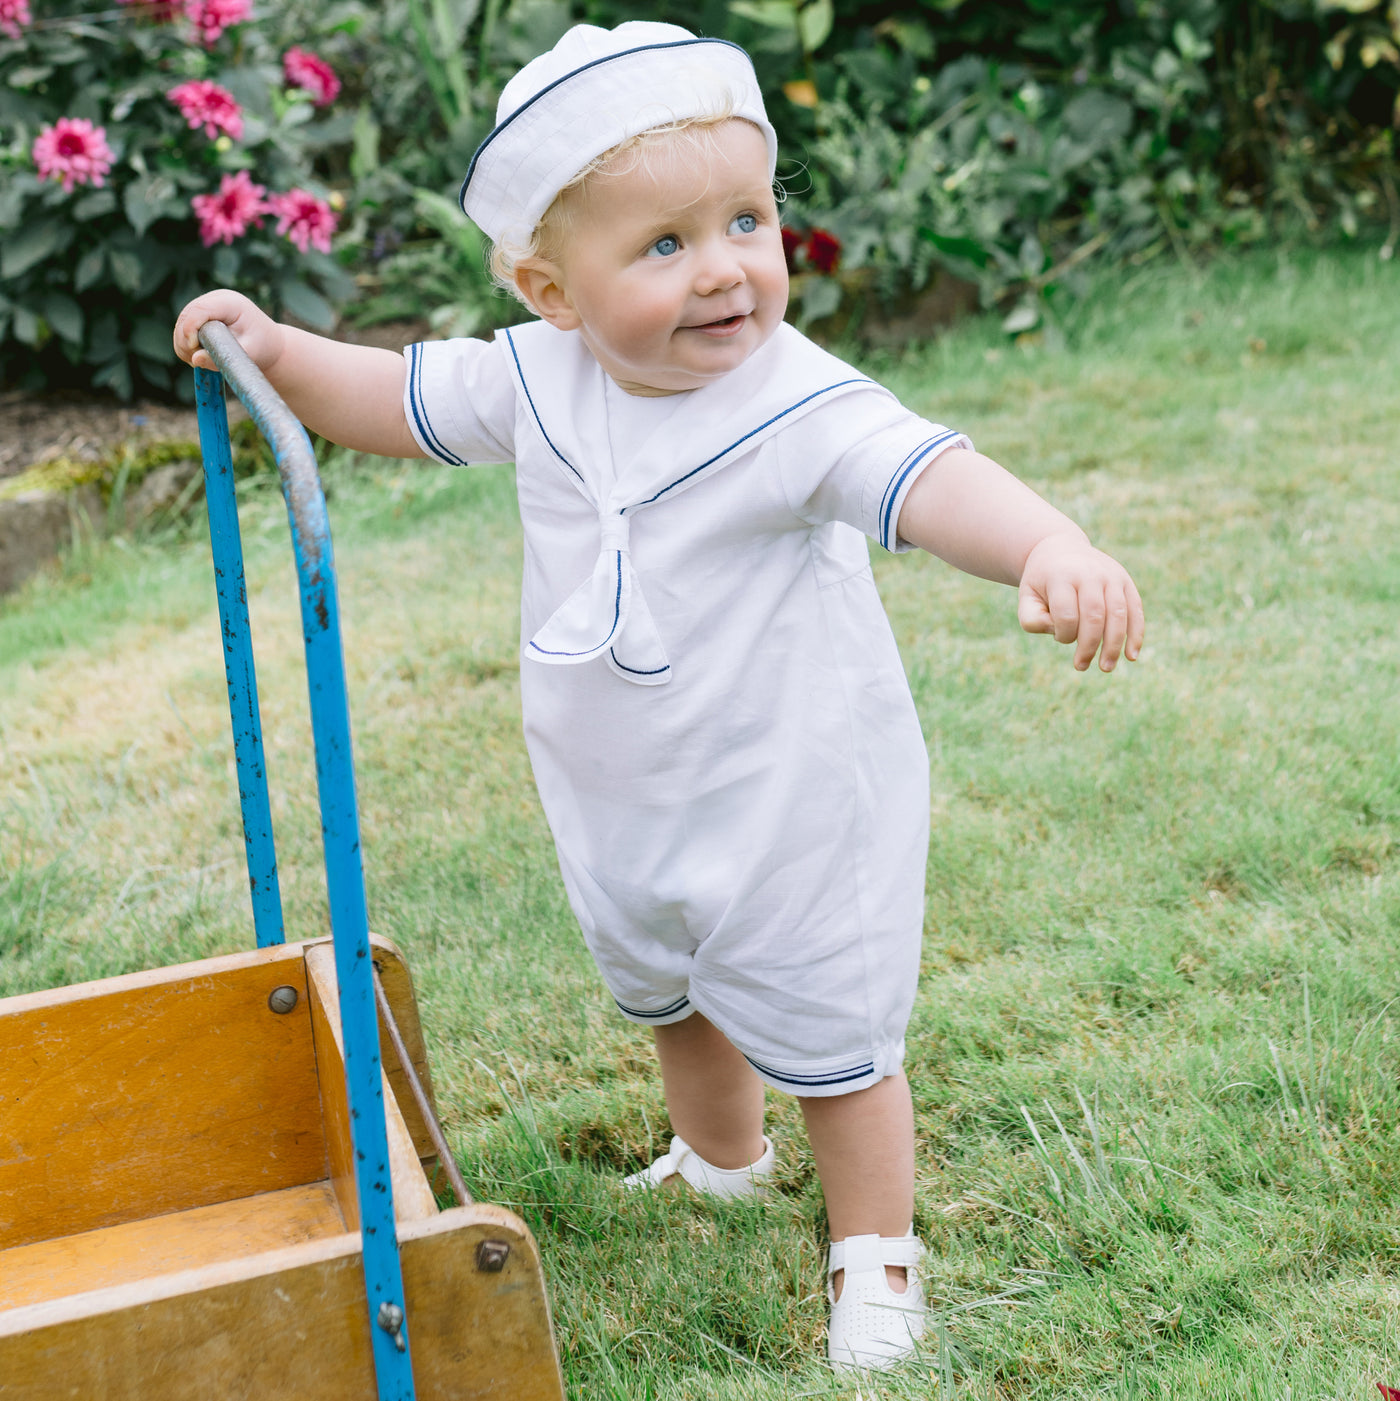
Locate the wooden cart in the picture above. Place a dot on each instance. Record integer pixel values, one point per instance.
(210, 1186)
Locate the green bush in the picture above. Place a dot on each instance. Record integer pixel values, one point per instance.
(106, 220)
(1015, 142)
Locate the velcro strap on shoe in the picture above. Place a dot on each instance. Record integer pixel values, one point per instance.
(722, 1182)
(858, 1254)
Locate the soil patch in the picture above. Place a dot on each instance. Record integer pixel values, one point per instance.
(36, 428)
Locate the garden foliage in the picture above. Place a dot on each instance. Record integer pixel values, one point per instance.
(147, 153)
(1014, 142)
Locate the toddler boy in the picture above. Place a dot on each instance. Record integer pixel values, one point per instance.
(720, 727)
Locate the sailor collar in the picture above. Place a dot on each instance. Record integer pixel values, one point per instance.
(562, 385)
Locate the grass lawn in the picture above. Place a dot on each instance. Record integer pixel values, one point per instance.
(1157, 1037)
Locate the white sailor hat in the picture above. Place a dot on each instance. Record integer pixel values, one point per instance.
(594, 89)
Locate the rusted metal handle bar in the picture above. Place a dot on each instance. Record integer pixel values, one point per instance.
(340, 831)
(420, 1098)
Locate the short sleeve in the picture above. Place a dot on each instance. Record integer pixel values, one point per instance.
(459, 401)
(855, 459)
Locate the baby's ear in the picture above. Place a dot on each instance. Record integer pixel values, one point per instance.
(541, 284)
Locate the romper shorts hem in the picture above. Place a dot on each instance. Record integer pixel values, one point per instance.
(820, 1078)
(842, 1075)
(677, 1010)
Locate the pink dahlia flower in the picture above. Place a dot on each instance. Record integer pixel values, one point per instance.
(212, 17)
(14, 15)
(305, 219)
(74, 151)
(205, 104)
(304, 69)
(227, 215)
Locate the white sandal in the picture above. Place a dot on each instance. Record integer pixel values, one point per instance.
(873, 1327)
(684, 1162)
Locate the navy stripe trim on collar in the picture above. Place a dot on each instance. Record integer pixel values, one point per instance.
(680, 1003)
(655, 671)
(791, 408)
(573, 73)
(420, 413)
(832, 1077)
(530, 399)
(617, 613)
(896, 483)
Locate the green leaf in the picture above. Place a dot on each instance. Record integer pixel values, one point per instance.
(65, 316)
(11, 205)
(152, 338)
(814, 23)
(147, 200)
(89, 269)
(364, 156)
(97, 203)
(32, 245)
(226, 264)
(1099, 119)
(156, 264)
(116, 374)
(126, 268)
(29, 328)
(103, 340)
(964, 249)
(29, 77)
(775, 14)
(307, 305)
(821, 296)
(1025, 317)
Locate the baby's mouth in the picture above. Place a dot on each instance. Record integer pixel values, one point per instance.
(721, 325)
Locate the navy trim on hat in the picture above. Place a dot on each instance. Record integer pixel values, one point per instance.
(583, 68)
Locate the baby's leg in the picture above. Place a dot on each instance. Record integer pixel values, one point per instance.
(864, 1147)
(714, 1096)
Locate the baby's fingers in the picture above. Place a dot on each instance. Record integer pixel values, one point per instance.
(1137, 623)
(1092, 622)
(1115, 630)
(1033, 613)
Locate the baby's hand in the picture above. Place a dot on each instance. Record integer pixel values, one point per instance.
(1084, 596)
(253, 328)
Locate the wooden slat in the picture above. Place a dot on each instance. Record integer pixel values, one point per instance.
(398, 988)
(155, 1092)
(293, 1326)
(413, 1198)
(138, 1250)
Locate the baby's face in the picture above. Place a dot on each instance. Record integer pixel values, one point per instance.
(675, 264)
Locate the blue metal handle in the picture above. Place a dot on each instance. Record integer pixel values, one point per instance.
(232, 588)
(335, 778)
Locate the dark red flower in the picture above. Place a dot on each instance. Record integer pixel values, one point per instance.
(792, 241)
(1389, 1392)
(823, 251)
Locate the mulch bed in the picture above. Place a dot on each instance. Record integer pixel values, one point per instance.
(36, 428)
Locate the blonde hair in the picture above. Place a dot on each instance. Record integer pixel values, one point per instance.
(550, 236)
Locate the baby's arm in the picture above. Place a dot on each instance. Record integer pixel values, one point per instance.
(967, 510)
(351, 394)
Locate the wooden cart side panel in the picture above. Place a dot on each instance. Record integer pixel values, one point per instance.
(153, 1093)
(413, 1198)
(293, 1325)
(182, 1240)
(398, 988)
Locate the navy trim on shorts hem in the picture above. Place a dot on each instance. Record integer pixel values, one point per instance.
(827, 1077)
(670, 1011)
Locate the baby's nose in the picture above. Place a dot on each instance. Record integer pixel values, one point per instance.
(718, 270)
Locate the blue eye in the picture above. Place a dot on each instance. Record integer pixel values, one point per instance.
(745, 223)
(664, 247)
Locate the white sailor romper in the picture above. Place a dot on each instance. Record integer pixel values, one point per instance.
(719, 723)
